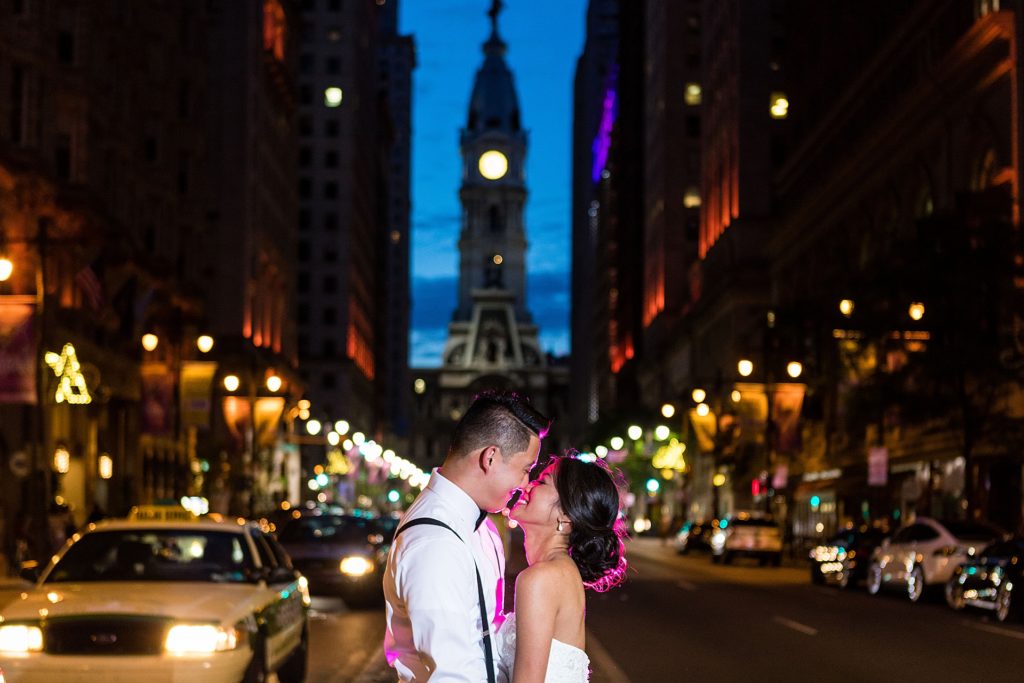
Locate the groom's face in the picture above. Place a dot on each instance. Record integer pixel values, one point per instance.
(506, 475)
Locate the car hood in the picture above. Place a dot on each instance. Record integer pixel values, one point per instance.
(186, 600)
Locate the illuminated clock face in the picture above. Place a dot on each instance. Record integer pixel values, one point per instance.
(493, 164)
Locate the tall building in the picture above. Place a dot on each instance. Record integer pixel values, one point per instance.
(340, 178)
(492, 340)
(396, 59)
(248, 252)
(594, 103)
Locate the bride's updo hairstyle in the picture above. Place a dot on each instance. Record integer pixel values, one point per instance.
(590, 499)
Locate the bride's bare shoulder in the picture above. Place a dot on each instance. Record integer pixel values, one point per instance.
(549, 577)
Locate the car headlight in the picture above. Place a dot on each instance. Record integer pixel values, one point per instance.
(192, 639)
(304, 591)
(21, 638)
(356, 565)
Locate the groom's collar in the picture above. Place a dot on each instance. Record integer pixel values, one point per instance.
(470, 515)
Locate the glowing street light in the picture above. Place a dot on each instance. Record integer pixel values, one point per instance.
(359, 438)
(698, 395)
(313, 427)
(661, 432)
(718, 479)
(274, 383)
(420, 385)
(231, 382)
(204, 343)
(341, 426)
(703, 409)
(846, 307)
(616, 443)
(916, 310)
(794, 369)
(601, 451)
(668, 410)
(736, 396)
(6, 269)
(150, 341)
(745, 367)
(634, 432)
(333, 438)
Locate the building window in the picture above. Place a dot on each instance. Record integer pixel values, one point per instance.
(333, 34)
(183, 164)
(330, 255)
(306, 94)
(779, 105)
(303, 283)
(330, 190)
(333, 65)
(305, 157)
(305, 188)
(331, 128)
(328, 380)
(333, 96)
(302, 313)
(304, 219)
(693, 126)
(334, 5)
(691, 200)
(18, 103)
(330, 221)
(184, 100)
(65, 47)
(494, 219)
(149, 148)
(305, 126)
(330, 284)
(331, 159)
(330, 316)
(692, 94)
(306, 63)
(330, 349)
(62, 156)
(303, 251)
(303, 345)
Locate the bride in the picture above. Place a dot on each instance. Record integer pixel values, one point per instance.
(569, 516)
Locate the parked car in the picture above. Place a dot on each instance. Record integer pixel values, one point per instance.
(925, 553)
(749, 534)
(989, 581)
(160, 596)
(341, 555)
(843, 559)
(694, 536)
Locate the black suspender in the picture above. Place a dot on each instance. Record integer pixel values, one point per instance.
(485, 623)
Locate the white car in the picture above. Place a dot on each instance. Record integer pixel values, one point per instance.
(752, 534)
(151, 599)
(925, 553)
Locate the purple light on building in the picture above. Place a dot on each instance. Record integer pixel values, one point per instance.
(603, 139)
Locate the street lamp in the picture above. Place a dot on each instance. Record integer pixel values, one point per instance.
(916, 310)
(736, 396)
(668, 410)
(703, 409)
(231, 382)
(6, 269)
(341, 426)
(616, 443)
(204, 343)
(661, 432)
(794, 369)
(313, 427)
(745, 367)
(150, 341)
(274, 383)
(846, 307)
(634, 432)
(698, 395)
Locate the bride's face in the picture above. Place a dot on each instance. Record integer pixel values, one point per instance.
(539, 502)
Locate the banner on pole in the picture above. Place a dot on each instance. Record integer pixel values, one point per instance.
(17, 350)
(878, 466)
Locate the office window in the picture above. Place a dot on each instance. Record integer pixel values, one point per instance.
(330, 284)
(303, 345)
(332, 128)
(334, 34)
(329, 348)
(331, 159)
(65, 47)
(306, 94)
(330, 316)
(330, 190)
(305, 188)
(305, 157)
(303, 250)
(303, 283)
(333, 65)
(302, 313)
(305, 126)
(306, 62)
(304, 219)
(330, 221)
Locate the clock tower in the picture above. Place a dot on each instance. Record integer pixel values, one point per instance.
(491, 326)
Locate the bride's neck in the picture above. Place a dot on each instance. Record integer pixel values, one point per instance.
(541, 546)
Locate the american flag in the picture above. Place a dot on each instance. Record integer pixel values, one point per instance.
(91, 287)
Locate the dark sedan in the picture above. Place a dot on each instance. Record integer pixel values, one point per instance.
(988, 581)
(694, 536)
(339, 554)
(843, 560)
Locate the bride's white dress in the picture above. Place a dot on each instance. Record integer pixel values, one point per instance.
(566, 664)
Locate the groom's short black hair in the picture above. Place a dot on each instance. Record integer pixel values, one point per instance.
(503, 419)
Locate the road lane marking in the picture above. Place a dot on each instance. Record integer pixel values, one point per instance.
(686, 585)
(796, 626)
(602, 662)
(995, 629)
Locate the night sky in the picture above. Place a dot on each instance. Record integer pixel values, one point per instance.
(544, 39)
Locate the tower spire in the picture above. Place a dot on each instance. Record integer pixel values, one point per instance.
(496, 7)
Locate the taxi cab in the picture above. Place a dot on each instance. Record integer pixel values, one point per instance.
(161, 596)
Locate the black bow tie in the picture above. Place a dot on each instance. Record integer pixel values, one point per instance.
(480, 519)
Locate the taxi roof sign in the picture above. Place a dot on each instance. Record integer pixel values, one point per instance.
(161, 513)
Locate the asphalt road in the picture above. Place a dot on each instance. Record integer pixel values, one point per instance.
(685, 619)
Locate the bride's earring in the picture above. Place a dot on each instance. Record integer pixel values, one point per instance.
(559, 529)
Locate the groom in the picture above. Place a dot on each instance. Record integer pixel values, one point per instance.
(447, 555)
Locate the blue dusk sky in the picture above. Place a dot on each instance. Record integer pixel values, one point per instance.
(544, 40)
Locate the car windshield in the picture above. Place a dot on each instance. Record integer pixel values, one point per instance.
(972, 531)
(156, 555)
(329, 529)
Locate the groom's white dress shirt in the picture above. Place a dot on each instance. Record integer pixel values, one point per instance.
(433, 612)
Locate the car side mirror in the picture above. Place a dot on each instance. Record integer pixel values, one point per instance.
(29, 571)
